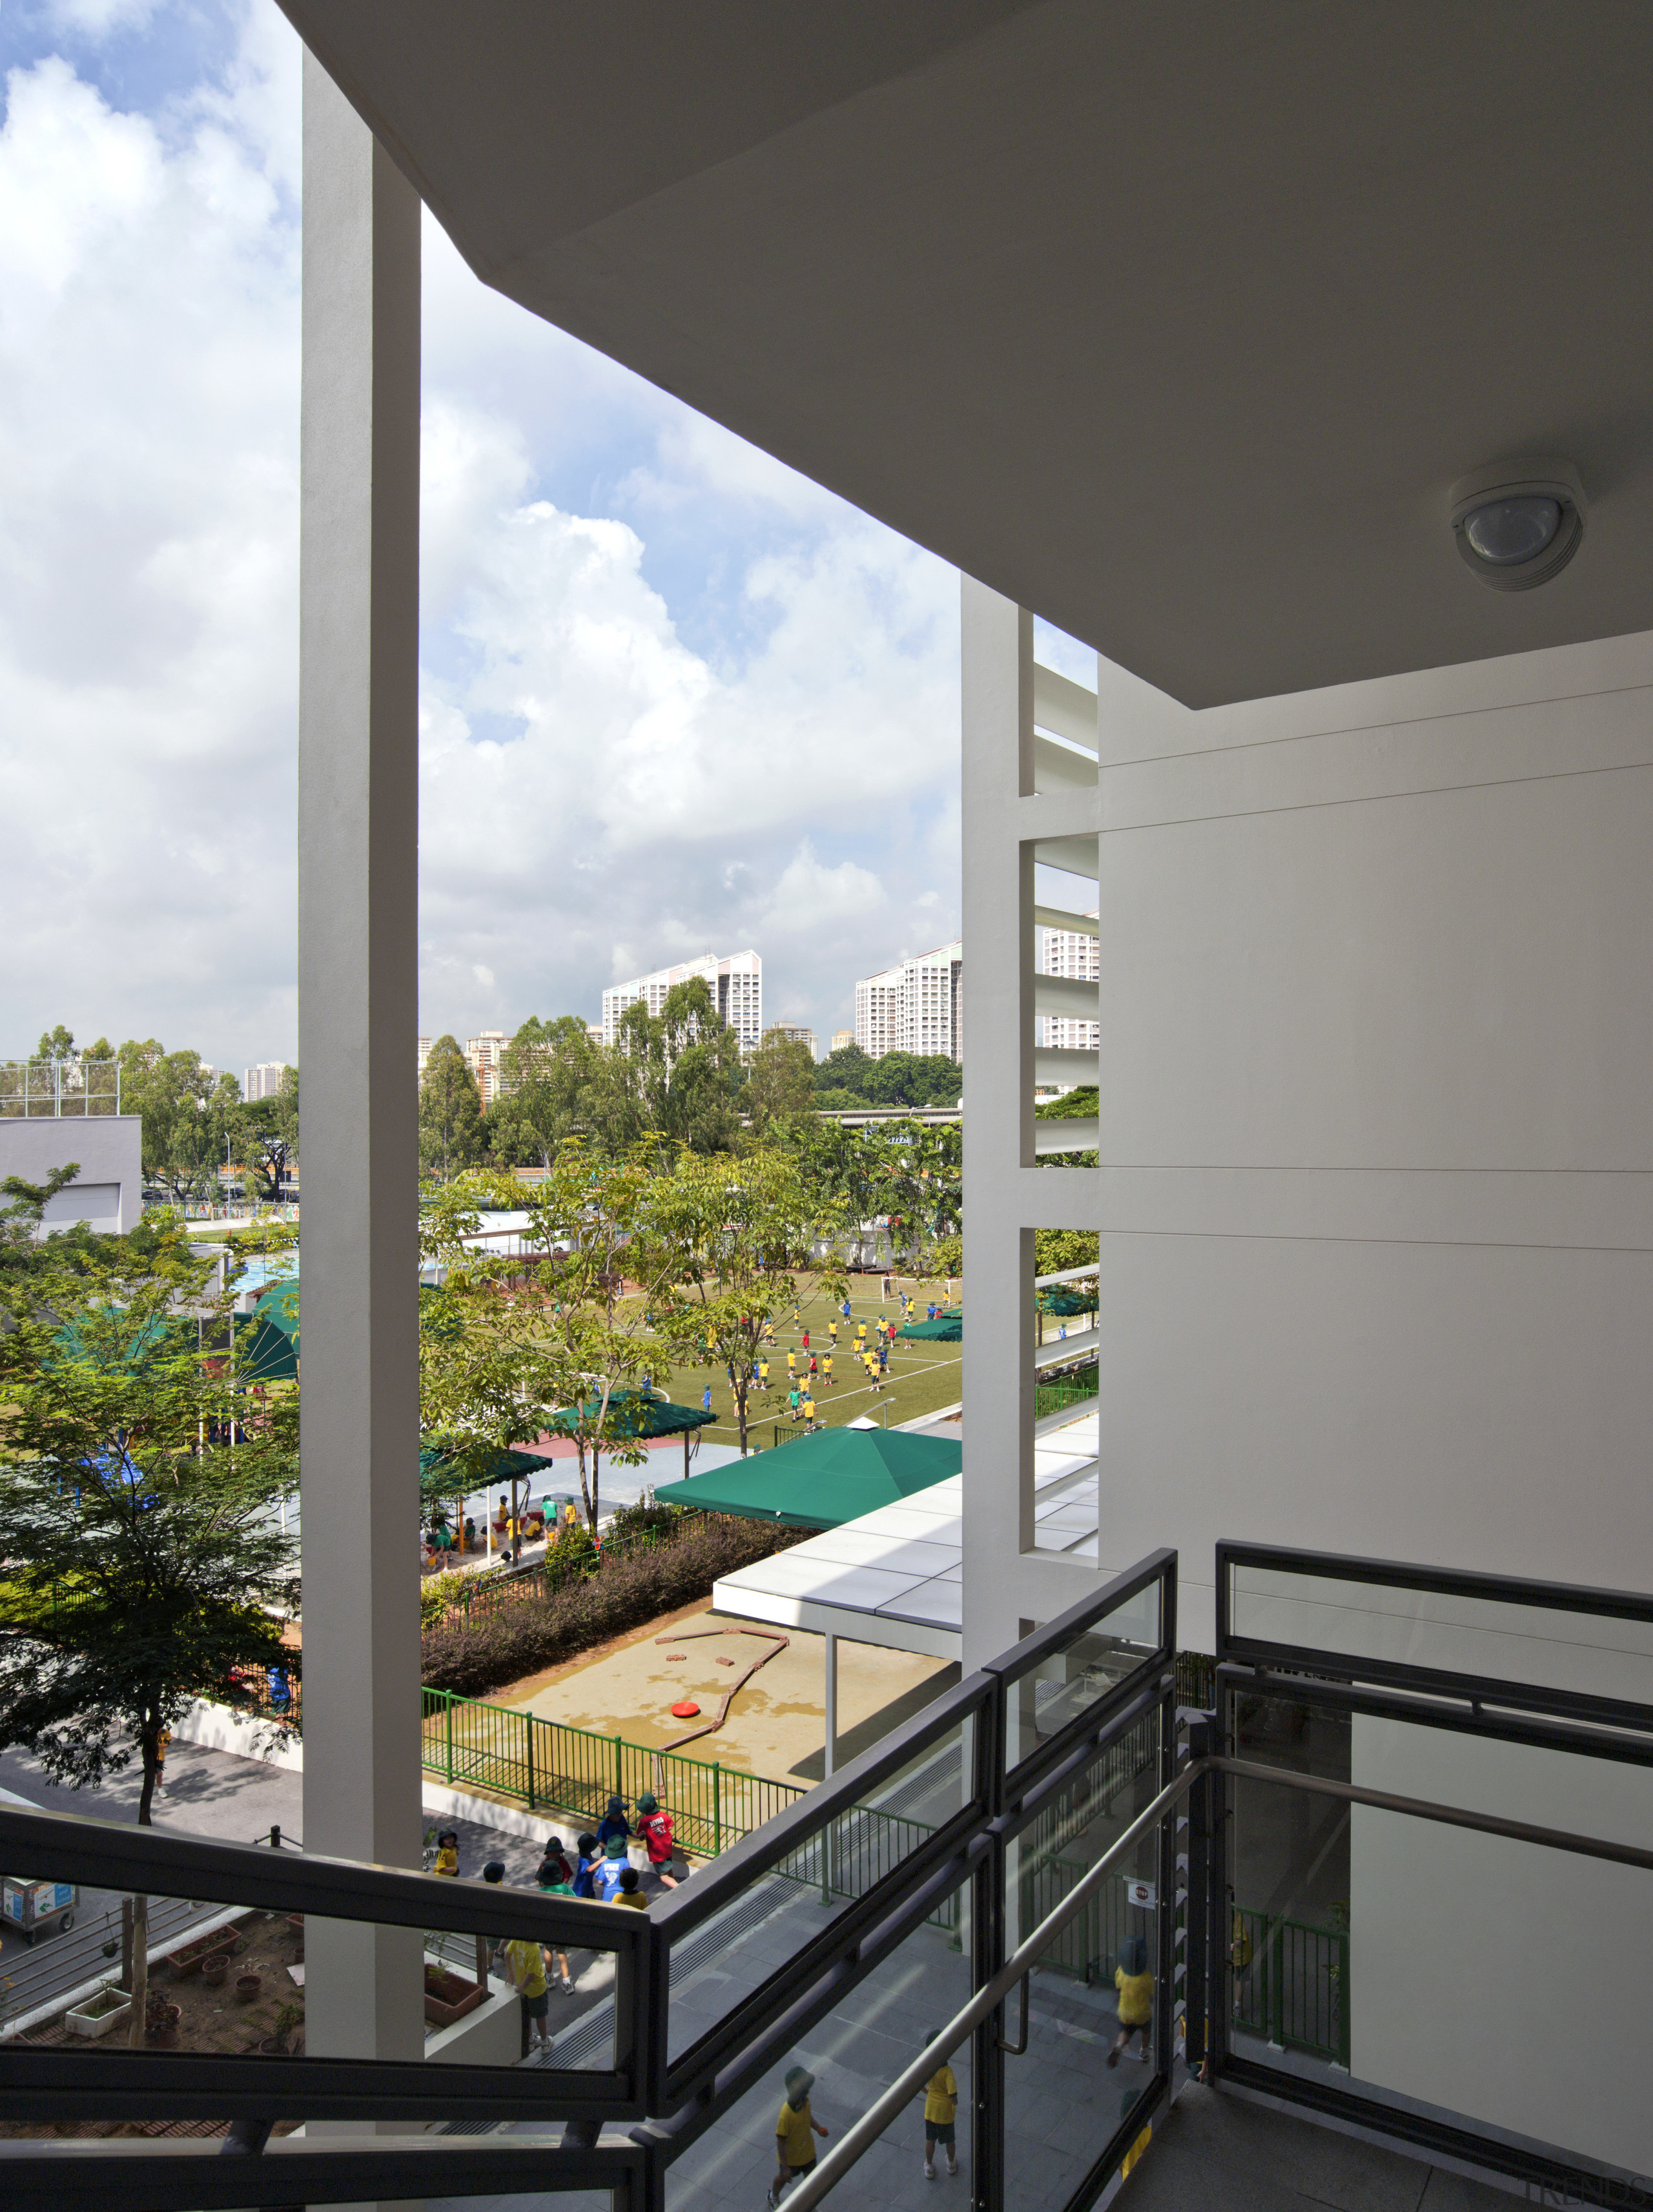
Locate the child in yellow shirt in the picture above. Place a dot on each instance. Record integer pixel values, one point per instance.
(940, 2111)
(1134, 1982)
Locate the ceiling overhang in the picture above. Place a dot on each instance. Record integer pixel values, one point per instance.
(1177, 325)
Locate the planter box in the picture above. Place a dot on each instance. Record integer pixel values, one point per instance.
(186, 1959)
(110, 2008)
(449, 1997)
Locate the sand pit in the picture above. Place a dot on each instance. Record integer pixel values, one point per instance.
(776, 1725)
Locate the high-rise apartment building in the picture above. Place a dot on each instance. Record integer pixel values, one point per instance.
(483, 1056)
(841, 1038)
(1072, 953)
(736, 983)
(793, 1035)
(264, 1080)
(916, 1007)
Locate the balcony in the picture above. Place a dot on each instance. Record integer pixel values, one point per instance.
(1377, 1911)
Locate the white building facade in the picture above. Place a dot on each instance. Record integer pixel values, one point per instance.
(736, 983)
(264, 1080)
(916, 1007)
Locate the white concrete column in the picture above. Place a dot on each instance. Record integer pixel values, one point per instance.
(831, 1704)
(358, 900)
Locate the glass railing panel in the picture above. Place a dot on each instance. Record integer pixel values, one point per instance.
(725, 1958)
(852, 2055)
(1057, 1689)
(1587, 1654)
(1470, 1977)
(163, 1973)
(1095, 1997)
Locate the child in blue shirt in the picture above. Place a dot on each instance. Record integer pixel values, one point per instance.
(584, 1872)
(614, 1823)
(606, 1877)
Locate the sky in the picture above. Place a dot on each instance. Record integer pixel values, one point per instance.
(674, 698)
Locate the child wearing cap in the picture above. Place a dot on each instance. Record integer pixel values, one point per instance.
(794, 2133)
(614, 1822)
(655, 1829)
(606, 1875)
(1135, 1985)
(584, 1873)
(553, 1879)
(629, 1891)
(447, 1853)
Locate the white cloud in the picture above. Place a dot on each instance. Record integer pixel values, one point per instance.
(690, 700)
(98, 19)
(148, 578)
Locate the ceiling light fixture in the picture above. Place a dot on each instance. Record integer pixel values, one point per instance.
(1518, 523)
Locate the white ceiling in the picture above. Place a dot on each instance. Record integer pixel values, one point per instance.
(1175, 324)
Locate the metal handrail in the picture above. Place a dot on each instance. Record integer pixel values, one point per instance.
(859, 2138)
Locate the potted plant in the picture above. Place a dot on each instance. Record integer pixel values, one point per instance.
(215, 1969)
(275, 2044)
(448, 1995)
(160, 2019)
(247, 1987)
(108, 2008)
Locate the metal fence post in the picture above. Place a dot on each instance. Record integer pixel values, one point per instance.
(717, 1809)
(530, 1719)
(448, 1702)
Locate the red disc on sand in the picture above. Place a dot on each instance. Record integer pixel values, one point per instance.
(684, 1710)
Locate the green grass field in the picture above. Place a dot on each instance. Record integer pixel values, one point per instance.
(921, 1378)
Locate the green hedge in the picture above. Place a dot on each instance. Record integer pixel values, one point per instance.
(472, 1657)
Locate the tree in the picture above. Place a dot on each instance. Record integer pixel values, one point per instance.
(266, 1133)
(846, 1068)
(137, 1489)
(729, 1237)
(547, 1072)
(450, 1113)
(779, 1082)
(546, 1340)
(674, 1075)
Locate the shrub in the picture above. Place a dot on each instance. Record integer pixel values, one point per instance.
(470, 1658)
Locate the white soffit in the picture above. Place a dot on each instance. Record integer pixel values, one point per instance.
(1177, 325)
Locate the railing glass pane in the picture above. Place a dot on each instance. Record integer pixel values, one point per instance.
(1057, 1688)
(1064, 2102)
(157, 1973)
(1588, 1654)
(718, 1963)
(1473, 1977)
(855, 2053)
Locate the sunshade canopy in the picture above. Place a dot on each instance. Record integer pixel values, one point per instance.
(821, 1481)
(638, 1413)
(946, 1328)
(441, 1475)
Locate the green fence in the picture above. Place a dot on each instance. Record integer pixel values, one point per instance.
(570, 1770)
(1049, 1867)
(1075, 1386)
(1291, 1983)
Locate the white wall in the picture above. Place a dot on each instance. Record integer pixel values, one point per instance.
(1376, 1122)
(108, 1192)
